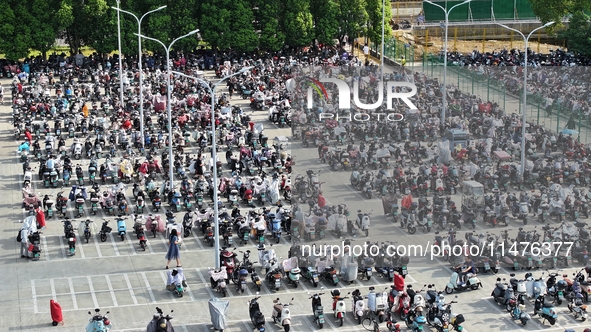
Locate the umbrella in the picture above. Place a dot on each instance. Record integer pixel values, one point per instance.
(569, 132)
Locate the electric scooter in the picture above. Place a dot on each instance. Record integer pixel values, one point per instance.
(281, 314)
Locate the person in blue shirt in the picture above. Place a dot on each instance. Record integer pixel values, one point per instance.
(24, 147)
(467, 267)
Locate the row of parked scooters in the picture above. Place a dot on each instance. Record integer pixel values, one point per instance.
(99, 322)
(548, 292)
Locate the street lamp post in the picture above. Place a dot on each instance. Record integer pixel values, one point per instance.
(214, 156)
(444, 105)
(168, 97)
(139, 63)
(524, 98)
(120, 54)
(382, 53)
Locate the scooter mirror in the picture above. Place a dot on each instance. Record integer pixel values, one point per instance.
(107, 312)
(97, 310)
(89, 313)
(321, 288)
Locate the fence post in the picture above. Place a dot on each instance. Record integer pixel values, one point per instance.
(538, 111)
(558, 117)
(579, 137)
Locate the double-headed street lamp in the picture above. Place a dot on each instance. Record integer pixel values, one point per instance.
(168, 98)
(444, 105)
(214, 155)
(120, 59)
(139, 62)
(524, 100)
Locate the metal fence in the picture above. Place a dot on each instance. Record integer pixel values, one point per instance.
(552, 117)
(480, 10)
(395, 49)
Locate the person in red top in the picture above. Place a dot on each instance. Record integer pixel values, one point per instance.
(40, 217)
(126, 124)
(29, 136)
(321, 200)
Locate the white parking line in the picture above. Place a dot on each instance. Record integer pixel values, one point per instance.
(96, 245)
(504, 313)
(207, 287)
(164, 279)
(34, 291)
(63, 249)
(111, 290)
(130, 243)
(91, 287)
(196, 237)
(79, 247)
(184, 328)
(73, 294)
(52, 286)
(130, 288)
(44, 244)
(147, 283)
(114, 244)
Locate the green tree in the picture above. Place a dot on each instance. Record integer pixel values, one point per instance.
(374, 22)
(242, 35)
(215, 23)
(17, 45)
(556, 10)
(352, 18)
(325, 16)
(81, 20)
(271, 38)
(43, 24)
(7, 29)
(578, 35)
(297, 23)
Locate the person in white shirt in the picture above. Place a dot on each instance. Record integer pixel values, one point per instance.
(24, 243)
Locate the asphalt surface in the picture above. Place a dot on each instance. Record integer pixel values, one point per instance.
(117, 276)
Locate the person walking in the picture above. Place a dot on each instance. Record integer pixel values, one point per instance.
(24, 243)
(173, 249)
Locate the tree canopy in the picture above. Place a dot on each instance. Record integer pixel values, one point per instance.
(240, 25)
(578, 33)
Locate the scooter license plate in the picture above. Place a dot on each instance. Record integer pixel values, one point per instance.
(315, 279)
(369, 273)
(321, 319)
(487, 266)
(277, 284)
(516, 265)
(404, 271)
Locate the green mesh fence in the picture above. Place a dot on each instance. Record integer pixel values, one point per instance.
(480, 10)
(493, 90)
(395, 49)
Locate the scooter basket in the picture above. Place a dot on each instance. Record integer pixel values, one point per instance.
(108, 229)
(243, 272)
(459, 319)
(404, 260)
(335, 292)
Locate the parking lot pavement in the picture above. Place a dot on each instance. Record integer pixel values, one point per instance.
(119, 277)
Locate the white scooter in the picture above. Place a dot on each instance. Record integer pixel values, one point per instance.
(535, 287)
(339, 307)
(282, 314)
(268, 258)
(363, 221)
(378, 303)
(455, 284)
(358, 306)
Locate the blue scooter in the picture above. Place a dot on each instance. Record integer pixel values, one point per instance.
(417, 324)
(121, 227)
(276, 229)
(176, 202)
(98, 322)
(546, 311)
(518, 313)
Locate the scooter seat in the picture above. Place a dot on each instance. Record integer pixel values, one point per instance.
(548, 305)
